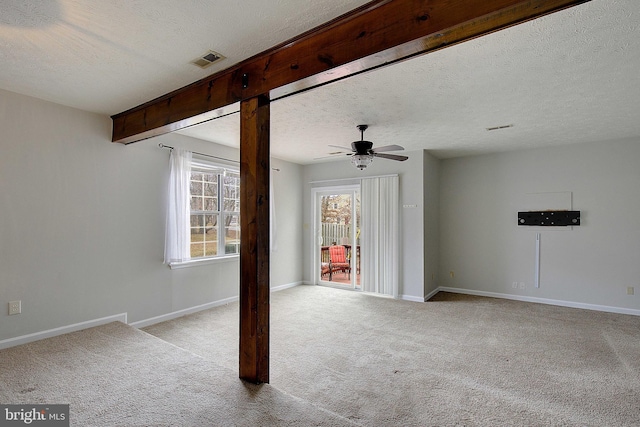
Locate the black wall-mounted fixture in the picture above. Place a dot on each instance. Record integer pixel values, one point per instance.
(549, 218)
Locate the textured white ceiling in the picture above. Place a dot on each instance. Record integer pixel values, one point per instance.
(108, 56)
(566, 78)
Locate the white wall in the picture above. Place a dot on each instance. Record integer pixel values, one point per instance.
(431, 202)
(82, 222)
(412, 220)
(592, 264)
(287, 260)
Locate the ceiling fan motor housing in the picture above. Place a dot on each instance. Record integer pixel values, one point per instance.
(362, 147)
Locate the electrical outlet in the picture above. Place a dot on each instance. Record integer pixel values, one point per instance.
(514, 285)
(15, 307)
(630, 290)
(521, 285)
(452, 274)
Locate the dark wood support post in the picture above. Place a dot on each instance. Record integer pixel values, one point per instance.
(255, 168)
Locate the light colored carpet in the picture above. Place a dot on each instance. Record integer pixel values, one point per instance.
(344, 358)
(116, 375)
(456, 360)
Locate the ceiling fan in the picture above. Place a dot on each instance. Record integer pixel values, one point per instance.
(363, 153)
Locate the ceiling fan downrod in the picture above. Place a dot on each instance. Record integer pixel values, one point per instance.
(362, 129)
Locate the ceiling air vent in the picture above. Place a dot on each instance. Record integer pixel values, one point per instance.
(207, 59)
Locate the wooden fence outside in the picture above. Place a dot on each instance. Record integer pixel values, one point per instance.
(334, 233)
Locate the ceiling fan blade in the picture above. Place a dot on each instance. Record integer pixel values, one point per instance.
(347, 149)
(391, 157)
(388, 148)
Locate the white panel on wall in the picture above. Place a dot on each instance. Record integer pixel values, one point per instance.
(556, 200)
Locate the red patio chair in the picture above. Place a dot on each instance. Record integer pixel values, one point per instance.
(338, 261)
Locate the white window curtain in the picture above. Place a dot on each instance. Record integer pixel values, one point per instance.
(379, 235)
(176, 241)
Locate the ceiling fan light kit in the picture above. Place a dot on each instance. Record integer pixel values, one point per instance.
(361, 161)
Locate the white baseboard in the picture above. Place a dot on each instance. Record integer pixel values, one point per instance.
(174, 315)
(286, 286)
(411, 298)
(24, 339)
(431, 294)
(561, 303)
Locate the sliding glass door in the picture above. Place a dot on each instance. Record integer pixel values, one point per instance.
(336, 244)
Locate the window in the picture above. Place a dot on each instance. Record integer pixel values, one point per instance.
(214, 194)
(203, 211)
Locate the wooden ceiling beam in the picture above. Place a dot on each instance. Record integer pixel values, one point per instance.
(377, 34)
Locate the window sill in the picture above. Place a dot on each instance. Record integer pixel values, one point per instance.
(203, 261)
